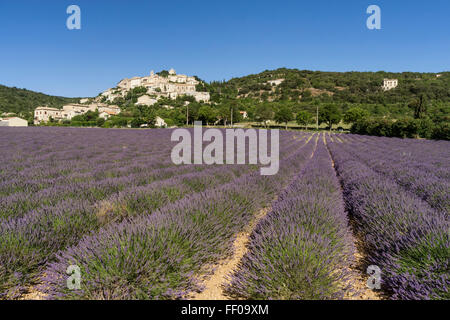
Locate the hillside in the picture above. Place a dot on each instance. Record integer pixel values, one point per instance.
(297, 86)
(24, 101)
(343, 88)
(421, 101)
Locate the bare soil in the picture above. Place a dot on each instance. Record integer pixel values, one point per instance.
(213, 286)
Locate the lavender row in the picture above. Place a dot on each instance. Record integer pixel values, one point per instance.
(30, 242)
(424, 183)
(160, 256)
(302, 248)
(401, 233)
(434, 154)
(92, 185)
(422, 155)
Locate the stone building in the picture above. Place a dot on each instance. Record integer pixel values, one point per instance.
(146, 100)
(13, 122)
(389, 84)
(276, 82)
(43, 114)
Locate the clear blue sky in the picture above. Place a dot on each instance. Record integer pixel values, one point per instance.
(214, 40)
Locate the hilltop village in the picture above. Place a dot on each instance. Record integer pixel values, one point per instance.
(171, 85)
(165, 85)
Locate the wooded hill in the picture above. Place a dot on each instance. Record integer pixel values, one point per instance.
(342, 88)
(19, 101)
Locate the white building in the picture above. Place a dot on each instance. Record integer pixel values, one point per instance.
(82, 108)
(159, 122)
(389, 84)
(43, 114)
(146, 100)
(106, 114)
(112, 109)
(276, 82)
(13, 122)
(200, 96)
(112, 94)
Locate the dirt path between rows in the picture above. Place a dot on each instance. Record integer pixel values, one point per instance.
(215, 284)
(358, 277)
(33, 293)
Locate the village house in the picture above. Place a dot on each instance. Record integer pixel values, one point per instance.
(244, 114)
(276, 82)
(112, 109)
(112, 94)
(106, 114)
(146, 100)
(44, 114)
(159, 122)
(13, 122)
(389, 84)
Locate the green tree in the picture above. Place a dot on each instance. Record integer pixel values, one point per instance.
(330, 114)
(420, 106)
(284, 115)
(137, 122)
(304, 118)
(223, 114)
(263, 113)
(100, 122)
(355, 114)
(206, 114)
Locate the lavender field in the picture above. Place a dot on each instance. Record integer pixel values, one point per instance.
(139, 227)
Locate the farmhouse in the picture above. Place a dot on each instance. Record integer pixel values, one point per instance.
(13, 122)
(389, 84)
(106, 114)
(44, 114)
(276, 82)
